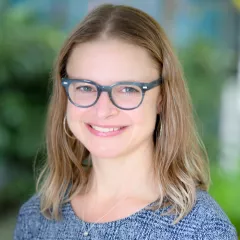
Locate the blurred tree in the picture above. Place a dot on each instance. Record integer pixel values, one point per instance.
(206, 68)
(236, 3)
(27, 53)
(206, 71)
(224, 190)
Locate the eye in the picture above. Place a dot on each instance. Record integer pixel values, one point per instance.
(85, 89)
(130, 90)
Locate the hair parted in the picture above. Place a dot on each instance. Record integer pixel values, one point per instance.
(180, 160)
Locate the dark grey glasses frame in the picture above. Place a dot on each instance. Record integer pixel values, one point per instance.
(100, 88)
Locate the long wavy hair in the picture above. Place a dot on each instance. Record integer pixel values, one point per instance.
(180, 160)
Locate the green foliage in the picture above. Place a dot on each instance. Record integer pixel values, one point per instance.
(28, 49)
(225, 191)
(205, 71)
(27, 53)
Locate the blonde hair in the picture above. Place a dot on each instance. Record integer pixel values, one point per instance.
(180, 160)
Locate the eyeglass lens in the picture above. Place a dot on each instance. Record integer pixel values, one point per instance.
(124, 96)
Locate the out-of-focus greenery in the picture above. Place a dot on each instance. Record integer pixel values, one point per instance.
(27, 53)
(206, 71)
(225, 189)
(28, 49)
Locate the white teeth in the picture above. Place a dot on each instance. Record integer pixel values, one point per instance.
(100, 129)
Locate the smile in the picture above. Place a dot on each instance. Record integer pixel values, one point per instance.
(101, 129)
(107, 131)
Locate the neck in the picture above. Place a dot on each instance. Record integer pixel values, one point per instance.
(130, 175)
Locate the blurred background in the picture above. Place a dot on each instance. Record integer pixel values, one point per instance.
(206, 36)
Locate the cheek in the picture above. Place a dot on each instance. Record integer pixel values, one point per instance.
(149, 113)
(74, 113)
(75, 116)
(145, 117)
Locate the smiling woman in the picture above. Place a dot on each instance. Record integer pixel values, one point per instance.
(120, 104)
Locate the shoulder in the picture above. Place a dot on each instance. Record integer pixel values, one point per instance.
(207, 207)
(206, 221)
(32, 205)
(214, 223)
(29, 215)
(30, 209)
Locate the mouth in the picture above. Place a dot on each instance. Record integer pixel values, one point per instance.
(105, 131)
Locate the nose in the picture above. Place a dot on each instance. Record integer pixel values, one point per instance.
(104, 106)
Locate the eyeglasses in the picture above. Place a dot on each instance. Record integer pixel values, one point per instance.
(124, 95)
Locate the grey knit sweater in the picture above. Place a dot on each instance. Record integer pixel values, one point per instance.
(205, 221)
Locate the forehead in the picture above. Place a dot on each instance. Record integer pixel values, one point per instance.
(108, 61)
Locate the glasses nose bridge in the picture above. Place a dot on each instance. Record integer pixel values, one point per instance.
(107, 89)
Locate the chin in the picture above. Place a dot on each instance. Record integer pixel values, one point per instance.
(105, 151)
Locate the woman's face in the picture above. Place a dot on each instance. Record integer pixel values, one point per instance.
(97, 127)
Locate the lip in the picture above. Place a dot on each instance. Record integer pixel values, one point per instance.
(105, 134)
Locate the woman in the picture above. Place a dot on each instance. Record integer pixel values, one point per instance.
(124, 160)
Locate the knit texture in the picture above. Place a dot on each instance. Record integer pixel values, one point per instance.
(205, 221)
